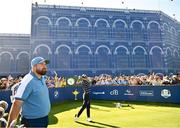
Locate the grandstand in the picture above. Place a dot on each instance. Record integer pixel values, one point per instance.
(94, 41)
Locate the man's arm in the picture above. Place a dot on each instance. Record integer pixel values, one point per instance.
(14, 112)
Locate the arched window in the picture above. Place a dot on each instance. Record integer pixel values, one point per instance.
(156, 57)
(63, 27)
(119, 30)
(165, 27)
(103, 57)
(6, 59)
(83, 57)
(154, 31)
(173, 30)
(102, 29)
(63, 58)
(140, 57)
(23, 62)
(176, 59)
(83, 27)
(169, 57)
(43, 27)
(173, 35)
(137, 28)
(121, 57)
(166, 30)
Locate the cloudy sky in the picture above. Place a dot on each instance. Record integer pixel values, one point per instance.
(15, 15)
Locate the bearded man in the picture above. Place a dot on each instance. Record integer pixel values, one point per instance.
(32, 97)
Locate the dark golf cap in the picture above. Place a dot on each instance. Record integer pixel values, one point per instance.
(38, 60)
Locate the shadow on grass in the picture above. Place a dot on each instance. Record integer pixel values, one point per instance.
(61, 107)
(95, 126)
(108, 125)
(89, 125)
(92, 107)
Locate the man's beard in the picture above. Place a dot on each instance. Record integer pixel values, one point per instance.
(41, 71)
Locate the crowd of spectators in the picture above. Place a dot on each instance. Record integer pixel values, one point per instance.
(140, 80)
(103, 79)
(7, 82)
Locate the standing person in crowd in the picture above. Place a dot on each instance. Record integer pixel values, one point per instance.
(86, 98)
(32, 97)
(176, 79)
(4, 83)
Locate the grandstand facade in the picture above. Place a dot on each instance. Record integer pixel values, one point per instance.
(102, 40)
(14, 54)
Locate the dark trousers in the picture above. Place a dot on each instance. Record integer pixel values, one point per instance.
(39, 122)
(86, 104)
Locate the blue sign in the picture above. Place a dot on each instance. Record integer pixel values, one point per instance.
(137, 93)
(169, 94)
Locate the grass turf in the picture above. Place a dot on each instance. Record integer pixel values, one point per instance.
(105, 115)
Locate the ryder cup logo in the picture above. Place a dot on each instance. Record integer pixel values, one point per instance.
(114, 92)
(56, 94)
(165, 93)
(75, 93)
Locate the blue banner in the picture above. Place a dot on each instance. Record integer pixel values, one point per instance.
(137, 93)
(169, 94)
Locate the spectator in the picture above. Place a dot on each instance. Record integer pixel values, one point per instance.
(4, 83)
(176, 79)
(63, 82)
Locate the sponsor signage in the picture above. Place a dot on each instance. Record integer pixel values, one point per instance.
(98, 93)
(114, 92)
(71, 81)
(165, 93)
(128, 93)
(146, 93)
(56, 94)
(75, 93)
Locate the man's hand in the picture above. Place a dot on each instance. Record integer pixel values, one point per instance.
(14, 112)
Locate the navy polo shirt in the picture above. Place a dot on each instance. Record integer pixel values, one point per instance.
(35, 95)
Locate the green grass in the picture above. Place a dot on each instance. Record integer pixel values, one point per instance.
(106, 115)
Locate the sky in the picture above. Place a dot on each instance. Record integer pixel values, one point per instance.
(15, 15)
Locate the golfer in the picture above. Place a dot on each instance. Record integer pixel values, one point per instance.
(86, 98)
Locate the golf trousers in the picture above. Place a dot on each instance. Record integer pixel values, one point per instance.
(86, 104)
(39, 122)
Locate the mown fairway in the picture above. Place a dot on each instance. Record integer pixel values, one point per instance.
(105, 115)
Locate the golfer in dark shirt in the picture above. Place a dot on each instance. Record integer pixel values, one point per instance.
(86, 98)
